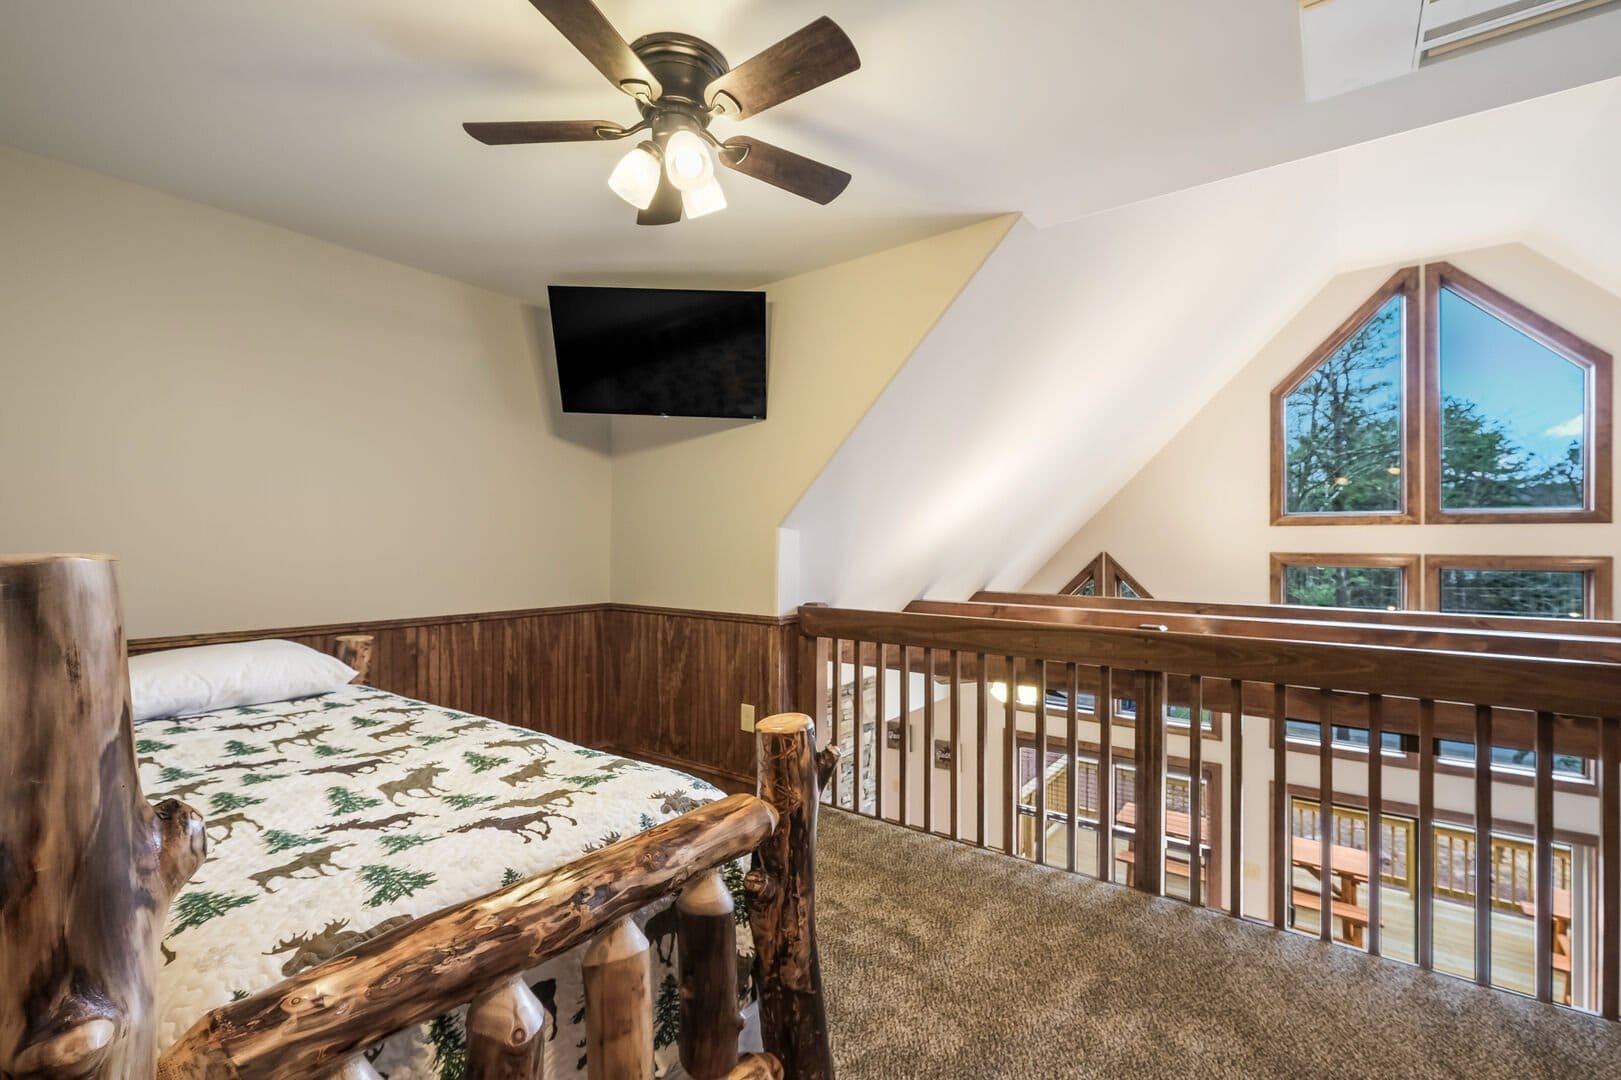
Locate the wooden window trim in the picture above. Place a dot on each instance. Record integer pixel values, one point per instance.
(1404, 283)
(1412, 591)
(1600, 571)
(1542, 330)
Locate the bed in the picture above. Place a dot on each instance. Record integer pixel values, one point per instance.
(393, 887)
(335, 818)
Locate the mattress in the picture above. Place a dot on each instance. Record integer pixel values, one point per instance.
(335, 818)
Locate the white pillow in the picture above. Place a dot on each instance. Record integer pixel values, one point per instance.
(183, 682)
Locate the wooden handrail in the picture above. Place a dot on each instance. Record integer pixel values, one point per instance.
(1409, 617)
(1576, 687)
(315, 1020)
(1574, 645)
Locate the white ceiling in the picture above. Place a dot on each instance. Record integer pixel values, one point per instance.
(1112, 332)
(342, 120)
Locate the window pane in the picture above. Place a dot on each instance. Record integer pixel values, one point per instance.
(1089, 587)
(1547, 593)
(1342, 425)
(1123, 589)
(1378, 587)
(1513, 417)
(1508, 757)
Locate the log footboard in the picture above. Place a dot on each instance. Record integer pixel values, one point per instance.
(80, 934)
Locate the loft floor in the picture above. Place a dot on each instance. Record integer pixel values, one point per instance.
(945, 961)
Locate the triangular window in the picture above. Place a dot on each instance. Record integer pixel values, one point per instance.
(1341, 428)
(1518, 416)
(1103, 576)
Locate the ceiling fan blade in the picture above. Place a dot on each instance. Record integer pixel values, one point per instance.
(588, 30)
(665, 209)
(782, 168)
(506, 133)
(804, 60)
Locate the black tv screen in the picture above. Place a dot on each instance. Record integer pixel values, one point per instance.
(660, 352)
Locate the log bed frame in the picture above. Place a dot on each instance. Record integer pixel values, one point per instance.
(88, 869)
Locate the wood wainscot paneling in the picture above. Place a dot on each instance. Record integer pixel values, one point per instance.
(677, 681)
(657, 684)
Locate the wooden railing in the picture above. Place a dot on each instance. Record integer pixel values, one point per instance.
(938, 705)
(88, 869)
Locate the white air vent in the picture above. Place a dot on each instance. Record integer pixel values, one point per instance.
(1349, 44)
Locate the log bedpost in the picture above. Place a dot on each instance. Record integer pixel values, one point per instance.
(619, 1004)
(87, 867)
(706, 932)
(782, 902)
(355, 650)
(506, 1028)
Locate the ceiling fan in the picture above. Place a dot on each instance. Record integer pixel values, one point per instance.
(680, 83)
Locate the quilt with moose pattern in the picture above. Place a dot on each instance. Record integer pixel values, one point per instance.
(335, 818)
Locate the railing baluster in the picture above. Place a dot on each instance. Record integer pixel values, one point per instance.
(1010, 764)
(1325, 813)
(1103, 709)
(858, 758)
(619, 1004)
(928, 739)
(1041, 760)
(1376, 797)
(1072, 787)
(880, 729)
(956, 738)
(905, 815)
(1149, 826)
(506, 1029)
(1543, 874)
(706, 936)
(1282, 863)
(1424, 933)
(1609, 867)
(1483, 845)
(835, 708)
(982, 752)
(1235, 800)
(1195, 794)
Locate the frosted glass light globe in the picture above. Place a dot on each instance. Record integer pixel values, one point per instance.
(636, 178)
(703, 200)
(687, 161)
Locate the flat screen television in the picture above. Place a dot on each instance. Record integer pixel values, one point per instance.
(660, 352)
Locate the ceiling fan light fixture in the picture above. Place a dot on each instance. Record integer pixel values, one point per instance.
(703, 200)
(636, 178)
(687, 161)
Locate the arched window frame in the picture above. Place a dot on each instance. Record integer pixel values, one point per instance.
(1420, 288)
(1598, 407)
(1404, 283)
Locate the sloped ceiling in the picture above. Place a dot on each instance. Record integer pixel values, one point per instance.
(342, 120)
(1080, 348)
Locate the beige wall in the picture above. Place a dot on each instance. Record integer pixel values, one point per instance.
(271, 430)
(1194, 523)
(696, 504)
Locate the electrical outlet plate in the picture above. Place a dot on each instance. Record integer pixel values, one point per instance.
(748, 717)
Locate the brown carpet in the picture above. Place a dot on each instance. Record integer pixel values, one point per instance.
(943, 961)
